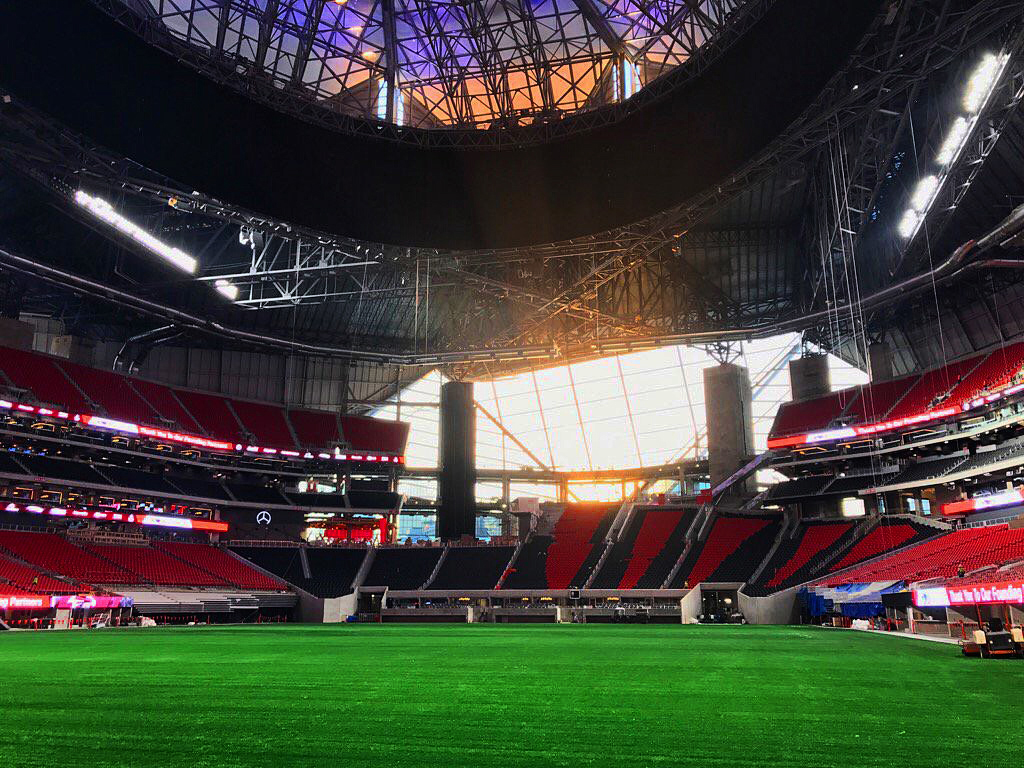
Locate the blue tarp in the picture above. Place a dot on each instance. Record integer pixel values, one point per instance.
(862, 610)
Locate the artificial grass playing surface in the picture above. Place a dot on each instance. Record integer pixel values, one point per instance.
(501, 695)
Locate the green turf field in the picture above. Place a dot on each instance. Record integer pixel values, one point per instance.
(500, 695)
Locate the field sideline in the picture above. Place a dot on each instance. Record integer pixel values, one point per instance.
(501, 695)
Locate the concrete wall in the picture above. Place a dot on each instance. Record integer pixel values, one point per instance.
(780, 608)
(15, 333)
(727, 400)
(809, 377)
(690, 606)
(338, 609)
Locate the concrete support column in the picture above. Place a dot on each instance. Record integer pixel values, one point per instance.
(879, 361)
(809, 377)
(727, 399)
(15, 333)
(74, 348)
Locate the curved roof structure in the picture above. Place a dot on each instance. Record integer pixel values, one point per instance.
(478, 64)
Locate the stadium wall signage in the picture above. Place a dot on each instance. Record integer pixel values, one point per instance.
(974, 594)
(24, 603)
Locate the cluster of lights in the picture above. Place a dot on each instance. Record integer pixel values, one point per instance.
(105, 212)
(980, 86)
(197, 441)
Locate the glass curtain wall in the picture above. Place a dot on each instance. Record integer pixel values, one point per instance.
(635, 410)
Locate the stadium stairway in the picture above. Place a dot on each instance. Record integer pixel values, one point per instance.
(527, 571)
(619, 523)
(437, 568)
(402, 568)
(801, 552)
(511, 563)
(646, 549)
(364, 568)
(473, 567)
(580, 531)
(734, 547)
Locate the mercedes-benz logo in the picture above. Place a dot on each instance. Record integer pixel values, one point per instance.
(263, 518)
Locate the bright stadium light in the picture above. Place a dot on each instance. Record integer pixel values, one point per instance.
(924, 193)
(955, 140)
(909, 223)
(983, 80)
(104, 211)
(226, 289)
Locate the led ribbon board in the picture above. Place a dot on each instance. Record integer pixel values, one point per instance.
(166, 435)
(866, 430)
(992, 501)
(998, 593)
(24, 602)
(90, 602)
(158, 521)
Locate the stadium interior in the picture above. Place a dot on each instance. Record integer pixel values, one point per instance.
(570, 312)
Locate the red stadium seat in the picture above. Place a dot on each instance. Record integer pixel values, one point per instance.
(220, 564)
(42, 376)
(580, 527)
(972, 548)
(213, 414)
(657, 526)
(265, 422)
(156, 567)
(813, 540)
(32, 580)
(58, 555)
(315, 429)
(112, 392)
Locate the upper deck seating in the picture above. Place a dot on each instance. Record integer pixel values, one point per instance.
(995, 372)
(810, 415)
(112, 392)
(76, 388)
(45, 379)
(363, 433)
(167, 405)
(266, 423)
(315, 429)
(875, 400)
(213, 414)
(928, 391)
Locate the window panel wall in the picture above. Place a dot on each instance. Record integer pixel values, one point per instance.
(642, 409)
